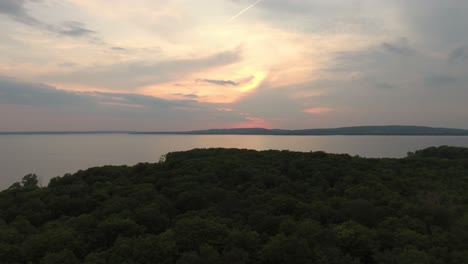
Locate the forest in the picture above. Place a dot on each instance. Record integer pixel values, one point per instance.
(208, 206)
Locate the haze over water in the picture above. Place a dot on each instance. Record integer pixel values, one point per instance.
(54, 155)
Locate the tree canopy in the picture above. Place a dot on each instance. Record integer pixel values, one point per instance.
(245, 206)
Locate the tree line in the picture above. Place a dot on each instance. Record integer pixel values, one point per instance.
(244, 206)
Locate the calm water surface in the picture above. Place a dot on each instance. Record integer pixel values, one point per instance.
(53, 155)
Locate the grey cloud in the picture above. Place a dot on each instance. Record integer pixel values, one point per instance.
(440, 24)
(435, 22)
(396, 81)
(457, 55)
(13, 91)
(147, 112)
(16, 10)
(264, 101)
(188, 96)
(441, 80)
(118, 48)
(74, 29)
(416, 72)
(429, 92)
(136, 74)
(307, 6)
(67, 64)
(400, 47)
(146, 101)
(32, 94)
(386, 86)
(320, 16)
(219, 82)
(279, 104)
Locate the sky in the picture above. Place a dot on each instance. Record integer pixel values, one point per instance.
(154, 65)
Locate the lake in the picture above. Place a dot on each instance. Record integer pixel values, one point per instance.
(53, 155)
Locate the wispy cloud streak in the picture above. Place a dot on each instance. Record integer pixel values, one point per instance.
(243, 11)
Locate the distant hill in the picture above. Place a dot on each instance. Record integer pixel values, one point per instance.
(358, 130)
(345, 131)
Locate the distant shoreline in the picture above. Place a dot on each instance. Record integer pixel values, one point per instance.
(344, 131)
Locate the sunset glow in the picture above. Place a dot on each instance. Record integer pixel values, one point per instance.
(289, 64)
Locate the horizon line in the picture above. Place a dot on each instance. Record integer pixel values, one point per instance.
(51, 132)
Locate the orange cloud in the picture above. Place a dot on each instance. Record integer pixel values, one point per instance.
(83, 88)
(208, 92)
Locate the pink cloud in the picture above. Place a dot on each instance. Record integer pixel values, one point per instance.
(251, 122)
(318, 110)
(225, 109)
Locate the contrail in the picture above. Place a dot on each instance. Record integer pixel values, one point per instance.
(243, 11)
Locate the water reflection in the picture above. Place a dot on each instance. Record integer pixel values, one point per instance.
(53, 155)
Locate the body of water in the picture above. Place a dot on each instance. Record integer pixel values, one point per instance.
(54, 155)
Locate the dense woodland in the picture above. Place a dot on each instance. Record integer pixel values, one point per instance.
(212, 206)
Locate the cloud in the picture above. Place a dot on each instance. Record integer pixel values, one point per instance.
(401, 47)
(118, 48)
(253, 122)
(322, 16)
(382, 84)
(218, 82)
(317, 110)
(13, 91)
(16, 10)
(458, 55)
(32, 94)
(223, 109)
(283, 106)
(58, 109)
(67, 64)
(441, 80)
(385, 86)
(74, 29)
(244, 10)
(292, 7)
(373, 62)
(188, 96)
(439, 23)
(131, 75)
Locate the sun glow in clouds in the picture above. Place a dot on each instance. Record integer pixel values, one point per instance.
(207, 91)
(291, 60)
(257, 80)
